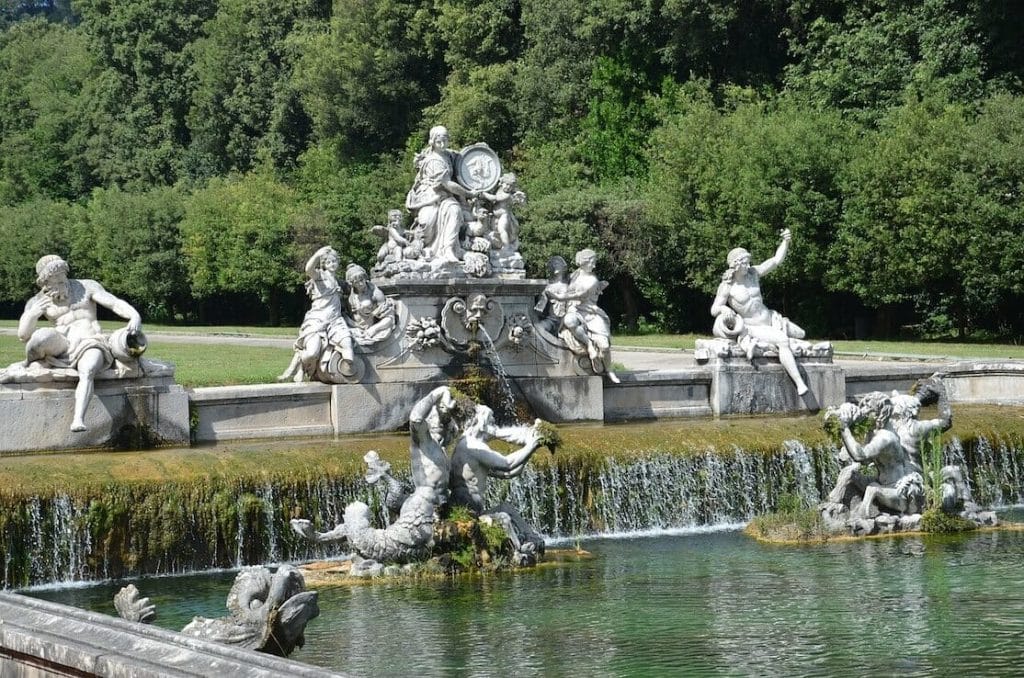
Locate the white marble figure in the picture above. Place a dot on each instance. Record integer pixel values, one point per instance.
(473, 462)
(741, 315)
(504, 223)
(893, 447)
(76, 340)
(323, 330)
(372, 313)
(402, 250)
(438, 200)
(572, 310)
(432, 426)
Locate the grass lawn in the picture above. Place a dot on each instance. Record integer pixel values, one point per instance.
(197, 364)
(220, 364)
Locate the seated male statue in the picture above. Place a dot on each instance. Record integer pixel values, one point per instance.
(76, 340)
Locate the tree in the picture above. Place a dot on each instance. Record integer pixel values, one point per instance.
(238, 237)
(244, 106)
(365, 79)
(135, 128)
(28, 231)
(906, 223)
(351, 197)
(867, 57)
(736, 175)
(43, 68)
(131, 243)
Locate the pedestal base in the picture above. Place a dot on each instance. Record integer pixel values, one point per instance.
(123, 413)
(763, 387)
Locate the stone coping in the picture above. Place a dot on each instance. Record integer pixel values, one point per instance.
(39, 638)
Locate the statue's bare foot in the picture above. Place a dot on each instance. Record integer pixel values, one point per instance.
(77, 426)
(612, 377)
(801, 389)
(284, 377)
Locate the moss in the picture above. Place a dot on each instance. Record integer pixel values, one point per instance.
(549, 436)
(802, 526)
(937, 521)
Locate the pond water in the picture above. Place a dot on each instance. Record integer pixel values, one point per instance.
(704, 603)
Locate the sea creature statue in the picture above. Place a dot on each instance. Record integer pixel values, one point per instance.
(438, 420)
(892, 498)
(76, 348)
(462, 220)
(267, 612)
(432, 425)
(745, 325)
(571, 312)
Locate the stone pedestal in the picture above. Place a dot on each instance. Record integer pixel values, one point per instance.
(132, 413)
(445, 325)
(763, 387)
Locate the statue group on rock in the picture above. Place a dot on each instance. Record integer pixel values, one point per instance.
(441, 481)
(463, 223)
(892, 496)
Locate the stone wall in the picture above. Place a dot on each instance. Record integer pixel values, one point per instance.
(40, 639)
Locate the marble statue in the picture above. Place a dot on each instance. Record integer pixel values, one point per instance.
(463, 223)
(323, 332)
(372, 313)
(438, 421)
(571, 311)
(267, 612)
(473, 462)
(741, 315)
(341, 317)
(433, 423)
(75, 344)
(893, 449)
(438, 200)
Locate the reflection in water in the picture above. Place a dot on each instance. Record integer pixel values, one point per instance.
(706, 604)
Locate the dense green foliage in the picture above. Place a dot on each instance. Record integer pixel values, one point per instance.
(187, 153)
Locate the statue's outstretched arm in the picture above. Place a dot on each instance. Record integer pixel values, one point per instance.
(420, 411)
(780, 254)
(115, 304)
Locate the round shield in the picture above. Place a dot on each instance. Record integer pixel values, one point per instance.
(478, 168)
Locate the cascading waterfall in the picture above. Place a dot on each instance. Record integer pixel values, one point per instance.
(159, 529)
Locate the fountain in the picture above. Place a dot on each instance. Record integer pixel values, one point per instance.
(447, 297)
(445, 286)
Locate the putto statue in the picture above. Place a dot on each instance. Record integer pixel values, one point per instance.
(266, 612)
(340, 318)
(437, 421)
(463, 224)
(744, 321)
(893, 495)
(76, 346)
(571, 312)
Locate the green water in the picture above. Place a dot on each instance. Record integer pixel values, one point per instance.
(699, 604)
